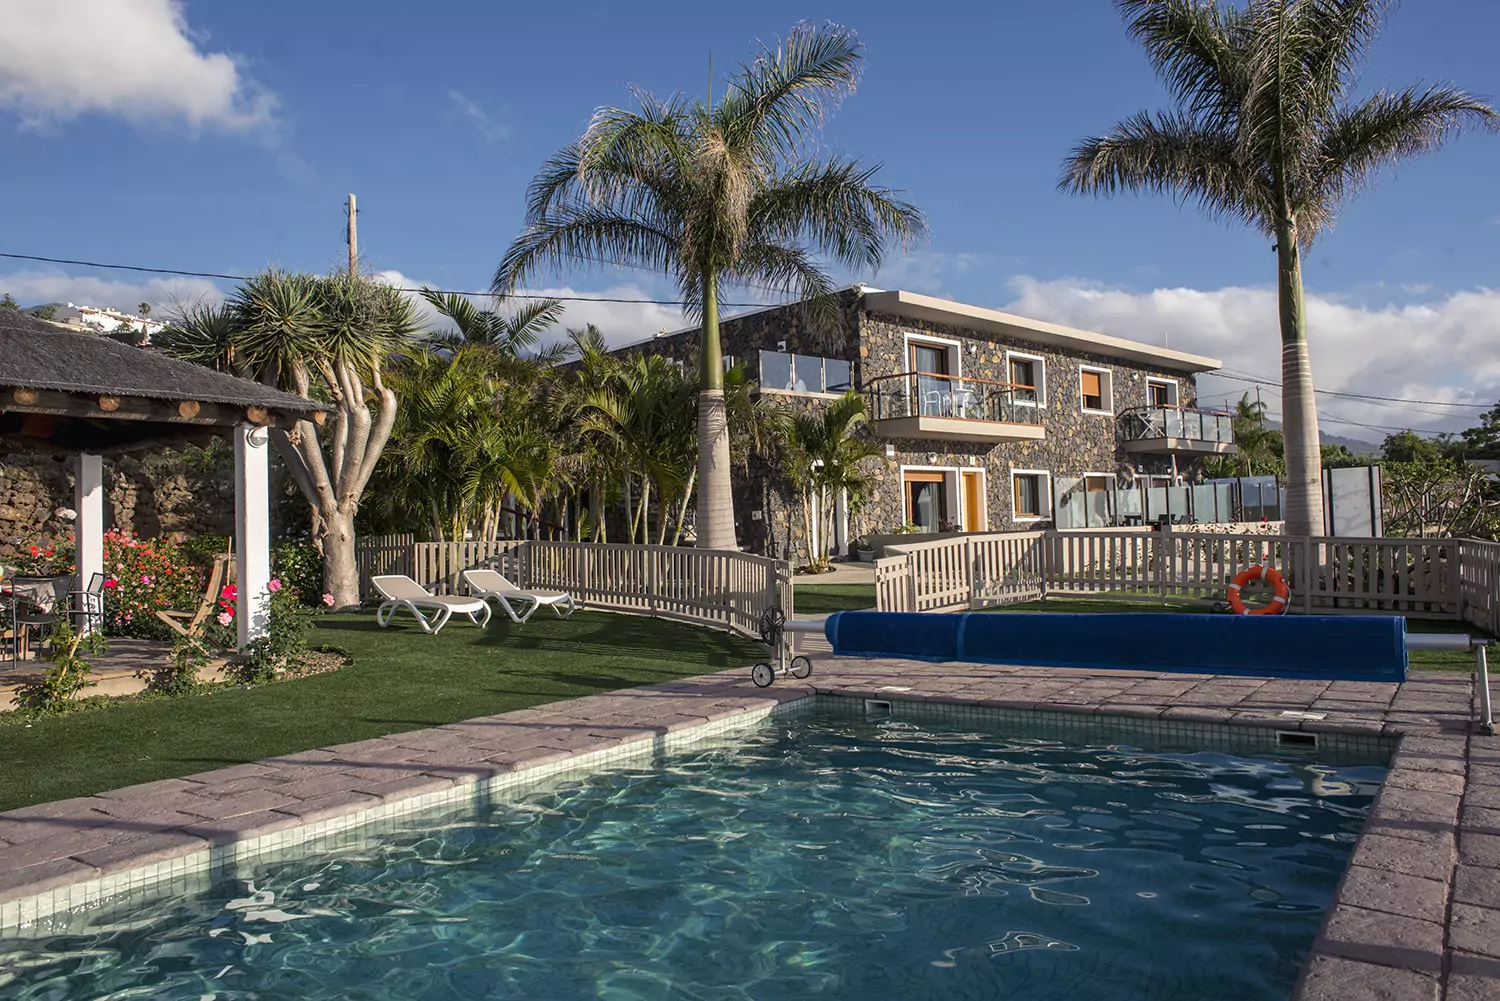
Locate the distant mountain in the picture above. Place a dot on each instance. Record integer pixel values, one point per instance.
(1356, 445)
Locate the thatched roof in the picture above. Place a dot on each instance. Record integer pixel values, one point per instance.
(36, 354)
(64, 391)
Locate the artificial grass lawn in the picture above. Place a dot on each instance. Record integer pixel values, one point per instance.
(401, 679)
(811, 599)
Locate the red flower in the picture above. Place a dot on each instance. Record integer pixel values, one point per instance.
(111, 582)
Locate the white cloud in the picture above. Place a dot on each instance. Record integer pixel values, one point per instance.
(1445, 349)
(165, 294)
(489, 130)
(620, 322)
(134, 58)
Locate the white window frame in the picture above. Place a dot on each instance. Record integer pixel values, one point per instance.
(955, 352)
(1106, 383)
(1174, 393)
(1041, 377)
(952, 487)
(1043, 500)
(984, 496)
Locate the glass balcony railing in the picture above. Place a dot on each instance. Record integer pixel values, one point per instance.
(932, 394)
(1187, 423)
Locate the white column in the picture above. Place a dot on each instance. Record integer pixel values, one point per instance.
(252, 530)
(841, 523)
(88, 525)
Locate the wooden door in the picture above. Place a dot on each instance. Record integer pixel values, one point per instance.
(973, 502)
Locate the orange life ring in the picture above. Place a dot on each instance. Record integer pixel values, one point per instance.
(1271, 576)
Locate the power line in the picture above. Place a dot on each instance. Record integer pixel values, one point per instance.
(398, 288)
(1263, 381)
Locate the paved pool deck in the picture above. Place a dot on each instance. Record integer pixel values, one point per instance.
(1416, 915)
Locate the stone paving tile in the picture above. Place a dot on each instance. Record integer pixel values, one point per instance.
(1394, 893)
(1476, 930)
(1479, 849)
(157, 847)
(1379, 937)
(1329, 978)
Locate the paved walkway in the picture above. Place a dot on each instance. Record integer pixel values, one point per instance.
(1417, 915)
(114, 673)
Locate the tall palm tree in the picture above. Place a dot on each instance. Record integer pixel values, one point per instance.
(734, 194)
(1266, 132)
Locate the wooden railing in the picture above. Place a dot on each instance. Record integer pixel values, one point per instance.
(726, 589)
(1432, 578)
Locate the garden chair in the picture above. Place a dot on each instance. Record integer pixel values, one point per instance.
(197, 619)
(88, 605)
(400, 591)
(487, 584)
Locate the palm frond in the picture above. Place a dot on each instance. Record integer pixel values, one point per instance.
(835, 205)
(780, 100)
(1197, 50)
(577, 232)
(1387, 128)
(1169, 154)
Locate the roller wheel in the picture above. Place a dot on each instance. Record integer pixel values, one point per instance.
(762, 675)
(801, 667)
(772, 624)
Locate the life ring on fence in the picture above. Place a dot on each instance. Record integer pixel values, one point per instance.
(1271, 576)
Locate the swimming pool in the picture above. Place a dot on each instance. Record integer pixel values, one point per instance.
(815, 856)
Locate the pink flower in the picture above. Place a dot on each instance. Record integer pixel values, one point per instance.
(111, 582)
(146, 579)
(328, 600)
(226, 617)
(274, 586)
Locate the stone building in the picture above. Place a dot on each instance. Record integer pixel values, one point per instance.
(990, 422)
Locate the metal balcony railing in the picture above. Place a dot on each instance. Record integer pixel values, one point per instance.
(932, 394)
(1143, 423)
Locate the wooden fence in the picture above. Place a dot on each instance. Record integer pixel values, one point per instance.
(727, 589)
(1433, 578)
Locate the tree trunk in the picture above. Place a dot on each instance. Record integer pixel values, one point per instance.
(340, 571)
(715, 520)
(1302, 504)
(687, 496)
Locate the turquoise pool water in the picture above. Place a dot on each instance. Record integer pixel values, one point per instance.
(817, 857)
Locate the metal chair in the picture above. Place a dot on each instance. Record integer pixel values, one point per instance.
(87, 606)
(29, 617)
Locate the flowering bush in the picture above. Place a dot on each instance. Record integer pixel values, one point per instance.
(278, 652)
(299, 567)
(45, 559)
(144, 576)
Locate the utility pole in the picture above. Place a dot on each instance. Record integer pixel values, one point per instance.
(353, 239)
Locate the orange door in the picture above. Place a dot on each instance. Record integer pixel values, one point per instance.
(973, 502)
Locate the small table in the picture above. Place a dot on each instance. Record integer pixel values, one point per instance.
(33, 604)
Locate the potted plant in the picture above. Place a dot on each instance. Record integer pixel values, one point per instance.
(863, 550)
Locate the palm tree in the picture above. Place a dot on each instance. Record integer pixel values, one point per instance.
(822, 453)
(510, 334)
(733, 194)
(1266, 132)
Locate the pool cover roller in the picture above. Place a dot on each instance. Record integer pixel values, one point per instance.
(1338, 647)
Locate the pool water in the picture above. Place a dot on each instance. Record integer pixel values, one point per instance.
(816, 857)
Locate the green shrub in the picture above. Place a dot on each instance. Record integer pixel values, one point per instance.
(271, 657)
(300, 568)
(68, 675)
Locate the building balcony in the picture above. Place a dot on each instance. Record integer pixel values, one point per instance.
(1181, 431)
(943, 408)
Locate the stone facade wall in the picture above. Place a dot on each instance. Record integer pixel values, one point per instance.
(1075, 442)
(154, 495)
(770, 519)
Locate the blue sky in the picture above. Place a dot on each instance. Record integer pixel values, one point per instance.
(167, 153)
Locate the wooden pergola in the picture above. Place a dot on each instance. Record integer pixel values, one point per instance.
(89, 396)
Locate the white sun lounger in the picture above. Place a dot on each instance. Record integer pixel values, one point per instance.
(487, 584)
(400, 591)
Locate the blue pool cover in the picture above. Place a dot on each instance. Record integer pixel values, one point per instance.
(1340, 647)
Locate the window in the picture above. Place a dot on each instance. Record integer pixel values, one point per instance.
(1098, 391)
(926, 493)
(1029, 494)
(1027, 370)
(838, 375)
(793, 373)
(934, 365)
(1161, 393)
